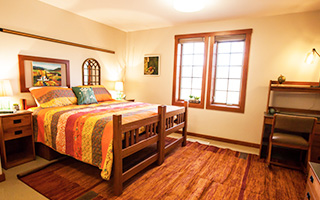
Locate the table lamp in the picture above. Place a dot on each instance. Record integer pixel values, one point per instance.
(5, 90)
(119, 88)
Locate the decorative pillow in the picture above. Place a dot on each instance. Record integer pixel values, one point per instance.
(46, 97)
(100, 92)
(85, 95)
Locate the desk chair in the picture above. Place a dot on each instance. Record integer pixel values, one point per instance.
(292, 132)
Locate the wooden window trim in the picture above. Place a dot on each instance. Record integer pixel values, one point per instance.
(209, 41)
(211, 79)
(97, 68)
(175, 99)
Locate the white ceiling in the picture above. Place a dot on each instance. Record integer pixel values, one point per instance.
(133, 15)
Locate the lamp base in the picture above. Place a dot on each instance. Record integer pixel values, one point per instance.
(6, 111)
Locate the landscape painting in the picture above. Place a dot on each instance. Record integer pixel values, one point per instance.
(46, 74)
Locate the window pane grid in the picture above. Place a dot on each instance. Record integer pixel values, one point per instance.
(191, 69)
(228, 72)
(91, 72)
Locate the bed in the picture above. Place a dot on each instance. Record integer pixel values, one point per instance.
(107, 131)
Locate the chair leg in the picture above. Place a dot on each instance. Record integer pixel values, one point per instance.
(308, 156)
(269, 154)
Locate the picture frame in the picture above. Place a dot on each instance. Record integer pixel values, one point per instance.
(41, 72)
(151, 65)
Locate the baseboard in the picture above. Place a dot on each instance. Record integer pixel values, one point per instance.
(2, 177)
(248, 144)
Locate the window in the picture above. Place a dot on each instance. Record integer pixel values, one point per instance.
(228, 71)
(91, 72)
(227, 65)
(190, 70)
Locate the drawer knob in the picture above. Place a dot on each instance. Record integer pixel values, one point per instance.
(17, 121)
(308, 195)
(311, 179)
(18, 132)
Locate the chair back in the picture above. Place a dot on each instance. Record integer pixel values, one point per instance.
(294, 124)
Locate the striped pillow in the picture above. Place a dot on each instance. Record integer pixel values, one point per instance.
(47, 97)
(100, 92)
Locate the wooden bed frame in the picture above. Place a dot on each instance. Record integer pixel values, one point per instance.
(127, 141)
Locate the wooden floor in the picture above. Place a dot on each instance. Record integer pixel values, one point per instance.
(194, 172)
(14, 189)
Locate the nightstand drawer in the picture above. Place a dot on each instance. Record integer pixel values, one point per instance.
(17, 132)
(16, 121)
(308, 194)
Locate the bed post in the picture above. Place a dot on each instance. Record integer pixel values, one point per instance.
(161, 135)
(184, 130)
(117, 157)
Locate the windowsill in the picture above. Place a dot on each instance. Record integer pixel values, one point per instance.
(191, 105)
(227, 108)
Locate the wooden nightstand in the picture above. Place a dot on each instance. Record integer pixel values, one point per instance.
(16, 138)
(313, 182)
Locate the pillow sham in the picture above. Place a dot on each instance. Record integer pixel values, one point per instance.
(47, 97)
(100, 92)
(85, 95)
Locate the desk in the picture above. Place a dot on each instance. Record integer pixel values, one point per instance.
(266, 131)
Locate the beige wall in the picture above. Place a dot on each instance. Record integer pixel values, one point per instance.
(38, 18)
(279, 45)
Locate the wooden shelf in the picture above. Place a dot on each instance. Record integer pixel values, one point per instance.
(18, 158)
(294, 88)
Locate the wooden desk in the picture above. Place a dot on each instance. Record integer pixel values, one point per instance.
(267, 125)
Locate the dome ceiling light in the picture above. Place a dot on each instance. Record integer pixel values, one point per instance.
(188, 5)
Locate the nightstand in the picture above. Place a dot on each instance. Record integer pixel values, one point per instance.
(313, 182)
(16, 138)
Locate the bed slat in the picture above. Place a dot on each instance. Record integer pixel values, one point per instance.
(174, 129)
(138, 146)
(137, 168)
(127, 139)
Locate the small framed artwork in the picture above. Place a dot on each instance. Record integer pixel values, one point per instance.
(42, 72)
(151, 65)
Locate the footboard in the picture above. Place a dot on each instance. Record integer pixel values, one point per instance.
(132, 143)
(174, 122)
(126, 140)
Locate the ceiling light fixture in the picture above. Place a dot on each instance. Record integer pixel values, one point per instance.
(188, 5)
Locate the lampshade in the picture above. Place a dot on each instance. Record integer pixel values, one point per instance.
(118, 86)
(5, 88)
(310, 56)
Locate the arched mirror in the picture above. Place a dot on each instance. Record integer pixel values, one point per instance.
(91, 72)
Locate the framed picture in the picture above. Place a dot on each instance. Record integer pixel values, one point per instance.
(152, 65)
(42, 72)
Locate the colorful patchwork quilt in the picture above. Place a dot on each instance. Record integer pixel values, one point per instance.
(85, 131)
